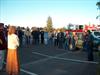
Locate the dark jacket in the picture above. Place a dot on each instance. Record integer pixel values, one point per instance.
(89, 40)
(3, 43)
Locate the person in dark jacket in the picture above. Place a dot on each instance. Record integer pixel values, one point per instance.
(67, 40)
(20, 34)
(84, 41)
(89, 45)
(3, 47)
(33, 36)
(61, 39)
(42, 37)
(37, 33)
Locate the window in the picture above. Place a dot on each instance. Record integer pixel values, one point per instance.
(80, 26)
(97, 33)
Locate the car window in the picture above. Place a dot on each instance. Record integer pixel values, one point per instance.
(97, 33)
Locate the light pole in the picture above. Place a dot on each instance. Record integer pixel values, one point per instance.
(98, 9)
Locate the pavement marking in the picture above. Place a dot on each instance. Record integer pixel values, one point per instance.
(25, 71)
(42, 54)
(48, 55)
(34, 62)
(41, 60)
(73, 60)
(28, 72)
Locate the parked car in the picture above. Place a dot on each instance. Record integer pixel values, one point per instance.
(96, 40)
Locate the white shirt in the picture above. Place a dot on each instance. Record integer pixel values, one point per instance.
(13, 41)
(27, 33)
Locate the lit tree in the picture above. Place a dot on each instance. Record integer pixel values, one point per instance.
(49, 24)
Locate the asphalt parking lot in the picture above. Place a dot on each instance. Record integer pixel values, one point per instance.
(49, 60)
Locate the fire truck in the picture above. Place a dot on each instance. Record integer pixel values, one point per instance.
(95, 33)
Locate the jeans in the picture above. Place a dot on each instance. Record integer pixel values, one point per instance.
(2, 57)
(66, 46)
(89, 53)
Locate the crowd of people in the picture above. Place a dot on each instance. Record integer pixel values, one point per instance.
(11, 37)
(37, 36)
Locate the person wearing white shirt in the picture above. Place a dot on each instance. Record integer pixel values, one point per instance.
(12, 66)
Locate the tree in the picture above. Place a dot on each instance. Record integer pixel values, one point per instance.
(49, 24)
(98, 3)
